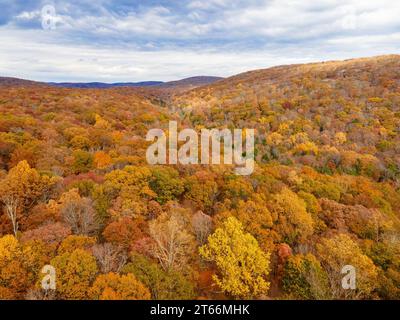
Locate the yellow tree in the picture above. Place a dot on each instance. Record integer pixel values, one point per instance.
(112, 286)
(295, 223)
(131, 184)
(13, 277)
(21, 188)
(20, 265)
(339, 251)
(242, 266)
(75, 272)
(73, 242)
(255, 217)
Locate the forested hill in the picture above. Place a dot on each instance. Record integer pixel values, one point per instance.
(340, 116)
(76, 191)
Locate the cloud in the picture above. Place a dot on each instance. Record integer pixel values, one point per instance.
(162, 40)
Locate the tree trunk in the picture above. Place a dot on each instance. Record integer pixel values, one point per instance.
(11, 205)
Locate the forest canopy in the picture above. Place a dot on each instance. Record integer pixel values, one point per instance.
(77, 193)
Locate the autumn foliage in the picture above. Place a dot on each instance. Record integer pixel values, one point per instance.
(77, 193)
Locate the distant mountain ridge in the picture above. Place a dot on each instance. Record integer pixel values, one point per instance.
(191, 82)
(9, 81)
(187, 82)
(103, 85)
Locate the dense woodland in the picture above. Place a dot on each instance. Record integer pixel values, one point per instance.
(77, 193)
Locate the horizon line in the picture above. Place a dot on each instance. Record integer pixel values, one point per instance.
(206, 76)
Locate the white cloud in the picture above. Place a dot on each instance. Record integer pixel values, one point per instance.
(29, 15)
(214, 37)
(206, 5)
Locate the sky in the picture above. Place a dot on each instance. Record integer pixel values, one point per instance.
(121, 41)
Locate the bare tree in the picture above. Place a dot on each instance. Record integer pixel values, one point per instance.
(80, 216)
(110, 258)
(202, 226)
(173, 243)
(11, 206)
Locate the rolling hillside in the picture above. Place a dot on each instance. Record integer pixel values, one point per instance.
(322, 114)
(76, 191)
